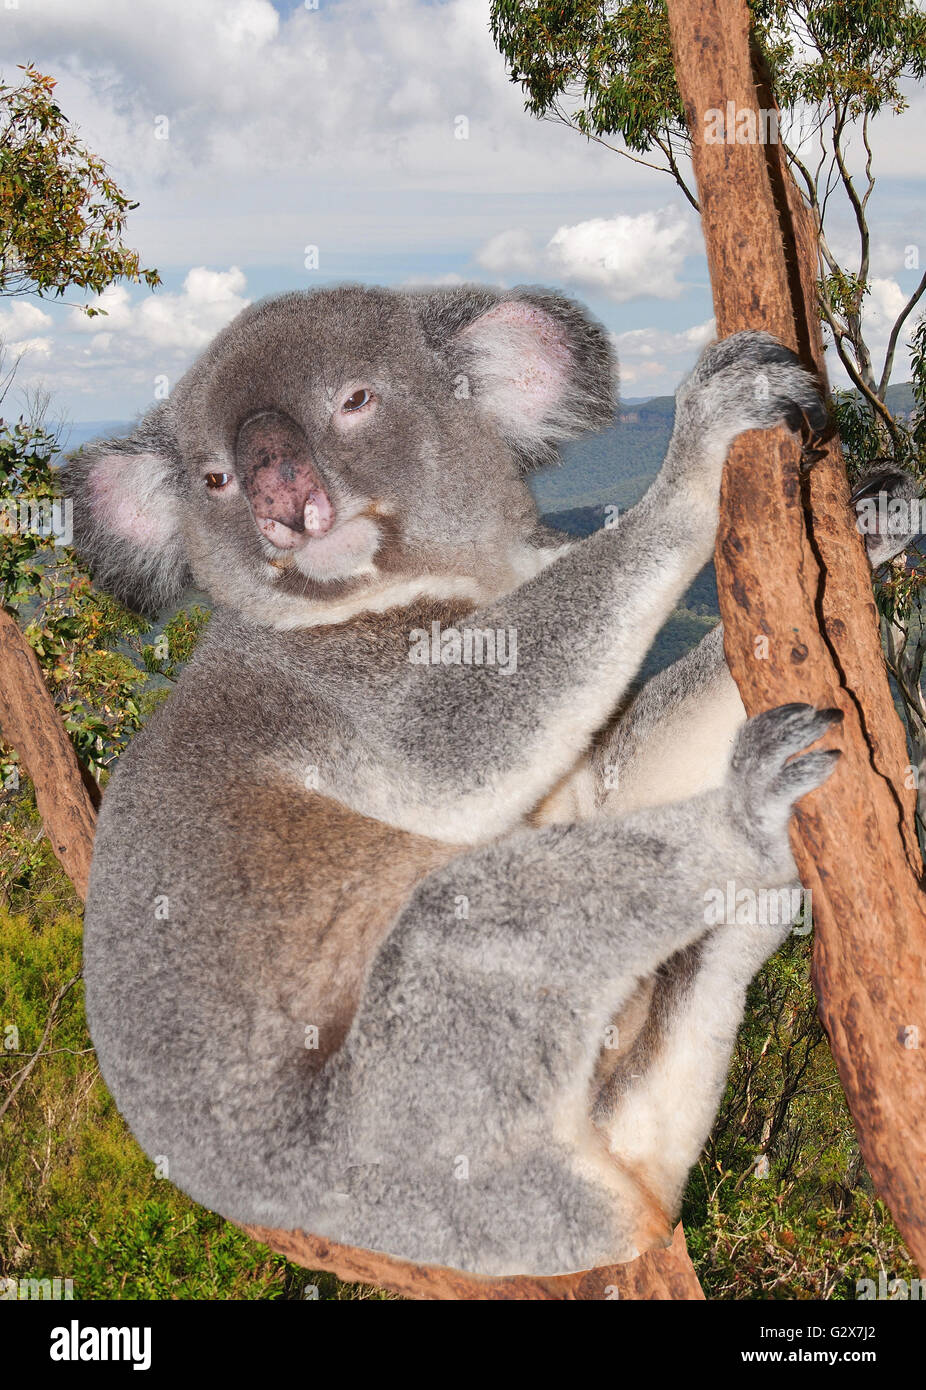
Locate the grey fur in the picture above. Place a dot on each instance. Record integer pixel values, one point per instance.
(451, 1112)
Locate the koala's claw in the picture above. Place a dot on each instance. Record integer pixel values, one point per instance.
(752, 381)
(767, 776)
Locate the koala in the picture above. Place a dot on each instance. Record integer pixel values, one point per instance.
(411, 951)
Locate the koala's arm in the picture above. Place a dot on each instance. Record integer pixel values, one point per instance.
(474, 749)
(676, 736)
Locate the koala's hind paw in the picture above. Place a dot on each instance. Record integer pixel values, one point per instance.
(752, 381)
(766, 777)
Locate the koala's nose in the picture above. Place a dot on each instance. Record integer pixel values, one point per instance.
(275, 466)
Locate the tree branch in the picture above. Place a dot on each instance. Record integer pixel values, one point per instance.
(49, 1024)
(908, 308)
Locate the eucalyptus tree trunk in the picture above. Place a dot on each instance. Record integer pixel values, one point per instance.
(800, 623)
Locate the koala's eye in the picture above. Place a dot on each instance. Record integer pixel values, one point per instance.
(357, 401)
(217, 480)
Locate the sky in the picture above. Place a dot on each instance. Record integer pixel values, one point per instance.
(273, 147)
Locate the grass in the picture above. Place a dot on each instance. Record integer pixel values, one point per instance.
(79, 1199)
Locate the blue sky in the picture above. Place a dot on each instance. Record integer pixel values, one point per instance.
(336, 128)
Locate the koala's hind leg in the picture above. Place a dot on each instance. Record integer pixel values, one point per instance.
(657, 1104)
(465, 1082)
(472, 1057)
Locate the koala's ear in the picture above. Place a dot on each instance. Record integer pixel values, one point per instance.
(126, 514)
(890, 511)
(538, 365)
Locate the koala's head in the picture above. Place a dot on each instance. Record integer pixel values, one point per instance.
(338, 449)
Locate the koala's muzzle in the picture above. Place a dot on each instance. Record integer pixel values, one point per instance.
(275, 467)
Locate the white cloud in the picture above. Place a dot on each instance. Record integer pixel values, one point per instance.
(881, 308)
(251, 92)
(625, 257)
(116, 306)
(21, 329)
(181, 323)
(653, 359)
(338, 127)
(511, 252)
(142, 339)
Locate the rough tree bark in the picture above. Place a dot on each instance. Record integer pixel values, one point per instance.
(29, 722)
(800, 622)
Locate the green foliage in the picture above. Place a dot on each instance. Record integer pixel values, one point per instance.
(31, 879)
(78, 1198)
(172, 648)
(607, 67)
(850, 56)
(62, 216)
(611, 62)
(844, 291)
(26, 481)
(72, 630)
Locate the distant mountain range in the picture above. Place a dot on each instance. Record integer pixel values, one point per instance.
(612, 468)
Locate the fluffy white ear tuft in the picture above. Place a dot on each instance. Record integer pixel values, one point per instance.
(130, 495)
(536, 364)
(127, 515)
(523, 363)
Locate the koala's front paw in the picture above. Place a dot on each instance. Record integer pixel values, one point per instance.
(751, 381)
(766, 779)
